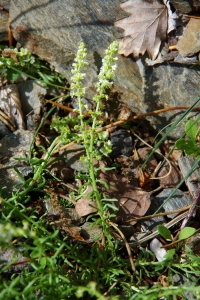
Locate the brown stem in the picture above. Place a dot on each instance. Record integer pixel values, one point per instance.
(126, 244)
(117, 123)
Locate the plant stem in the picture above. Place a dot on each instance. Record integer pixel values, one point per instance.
(56, 144)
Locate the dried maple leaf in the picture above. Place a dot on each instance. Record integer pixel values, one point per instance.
(144, 29)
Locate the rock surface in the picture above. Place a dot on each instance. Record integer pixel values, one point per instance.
(122, 143)
(3, 130)
(170, 85)
(15, 145)
(183, 7)
(177, 201)
(31, 94)
(186, 6)
(54, 29)
(4, 20)
(189, 43)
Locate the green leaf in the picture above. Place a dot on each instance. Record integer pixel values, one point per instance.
(109, 200)
(44, 77)
(12, 75)
(191, 129)
(170, 253)
(19, 175)
(43, 262)
(34, 253)
(111, 206)
(103, 183)
(164, 232)
(186, 233)
(188, 146)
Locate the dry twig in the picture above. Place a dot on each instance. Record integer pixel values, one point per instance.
(126, 244)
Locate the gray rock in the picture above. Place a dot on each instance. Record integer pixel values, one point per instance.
(152, 223)
(194, 243)
(72, 155)
(183, 7)
(91, 232)
(180, 280)
(186, 164)
(31, 95)
(168, 86)
(53, 30)
(7, 256)
(186, 60)
(177, 201)
(4, 21)
(3, 130)
(15, 145)
(189, 43)
(122, 143)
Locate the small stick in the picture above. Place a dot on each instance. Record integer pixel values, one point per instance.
(155, 112)
(158, 167)
(137, 117)
(70, 186)
(67, 198)
(117, 123)
(176, 211)
(192, 209)
(155, 233)
(193, 17)
(178, 241)
(110, 288)
(126, 244)
(173, 47)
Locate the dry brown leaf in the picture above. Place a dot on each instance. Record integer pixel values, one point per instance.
(144, 29)
(173, 179)
(85, 206)
(133, 202)
(11, 105)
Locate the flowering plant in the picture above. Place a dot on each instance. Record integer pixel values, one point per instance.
(96, 144)
(14, 62)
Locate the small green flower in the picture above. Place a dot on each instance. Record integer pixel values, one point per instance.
(77, 88)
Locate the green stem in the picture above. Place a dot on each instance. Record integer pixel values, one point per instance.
(56, 144)
(37, 79)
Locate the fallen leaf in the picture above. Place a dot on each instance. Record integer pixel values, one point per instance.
(144, 29)
(11, 105)
(173, 179)
(85, 206)
(133, 202)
